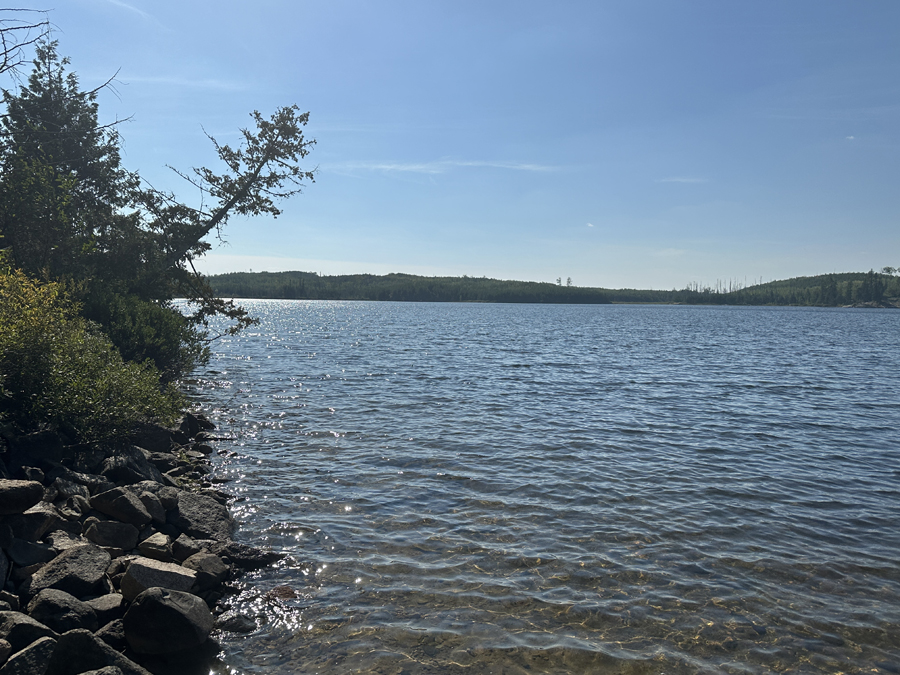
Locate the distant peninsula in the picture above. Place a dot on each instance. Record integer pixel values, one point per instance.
(868, 289)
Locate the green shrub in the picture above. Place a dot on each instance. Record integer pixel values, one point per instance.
(59, 371)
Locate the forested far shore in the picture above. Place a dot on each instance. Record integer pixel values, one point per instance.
(826, 290)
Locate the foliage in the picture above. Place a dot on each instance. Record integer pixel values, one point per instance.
(69, 211)
(57, 371)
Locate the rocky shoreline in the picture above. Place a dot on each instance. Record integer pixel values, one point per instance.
(115, 561)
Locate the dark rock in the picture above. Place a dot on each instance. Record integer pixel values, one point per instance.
(17, 496)
(108, 607)
(203, 448)
(22, 574)
(161, 621)
(157, 546)
(205, 424)
(144, 573)
(26, 553)
(201, 516)
(35, 522)
(66, 488)
(6, 535)
(245, 557)
(190, 425)
(33, 473)
(167, 496)
(184, 547)
(11, 599)
(4, 568)
(210, 569)
(164, 461)
(33, 660)
(37, 449)
(153, 437)
(128, 466)
(5, 651)
(20, 630)
(79, 651)
(122, 505)
(61, 611)
(113, 634)
(108, 670)
(154, 507)
(235, 623)
(85, 457)
(113, 534)
(78, 570)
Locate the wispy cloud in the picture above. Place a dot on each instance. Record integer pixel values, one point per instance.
(131, 8)
(681, 179)
(200, 83)
(436, 167)
(851, 138)
(590, 224)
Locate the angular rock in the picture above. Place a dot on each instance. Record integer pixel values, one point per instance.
(113, 634)
(25, 553)
(108, 670)
(33, 473)
(246, 557)
(153, 437)
(62, 611)
(201, 516)
(162, 621)
(144, 573)
(164, 461)
(67, 488)
(92, 482)
(78, 570)
(17, 496)
(190, 425)
(10, 599)
(113, 534)
(79, 651)
(122, 505)
(184, 547)
(157, 546)
(5, 651)
(35, 522)
(20, 630)
(167, 496)
(210, 569)
(128, 466)
(107, 607)
(33, 660)
(154, 507)
(235, 623)
(203, 448)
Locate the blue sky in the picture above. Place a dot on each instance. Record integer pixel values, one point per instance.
(622, 144)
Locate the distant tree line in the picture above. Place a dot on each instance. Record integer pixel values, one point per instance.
(824, 290)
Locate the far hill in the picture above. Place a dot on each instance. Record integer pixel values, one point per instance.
(869, 288)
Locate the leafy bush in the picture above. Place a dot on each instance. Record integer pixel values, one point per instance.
(58, 371)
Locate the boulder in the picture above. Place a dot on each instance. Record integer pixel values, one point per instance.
(154, 507)
(4, 567)
(246, 557)
(168, 496)
(33, 660)
(62, 611)
(162, 621)
(144, 573)
(130, 465)
(25, 553)
(190, 425)
(201, 516)
(5, 651)
(67, 488)
(184, 547)
(122, 505)
(210, 569)
(113, 534)
(62, 540)
(11, 599)
(153, 437)
(234, 622)
(107, 607)
(164, 461)
(20, 630)
(17, 496)
(79, 651)
(6, 535)
(113, 634)
(157, 546)
(37, 449)
(78, 570)
(35, 522)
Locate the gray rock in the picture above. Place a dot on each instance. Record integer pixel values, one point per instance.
(35, 522)
(20, 630)
(144, 573)
(184, 547)
(79, 651)
(130, 465)
(17, 496)
(95, 484)
(210, 569)
(33, 473)
(67, 488)
(122, 505)
(108, 670)
(78, 570)
(113, 634)
(25, 553)
(201, 516)
(62, 611)
(11, 599)
(246, 557)
(113, 534)
(153, 437)
(164, 461)
(235, 623)
(5, 651)
(62, 540)
(157, 546)
(4, 568)
(33, 660)
(108, 607)
(6, 535)
(154, 507)
(161, 621)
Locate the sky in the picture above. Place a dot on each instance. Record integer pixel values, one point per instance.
(638, 143)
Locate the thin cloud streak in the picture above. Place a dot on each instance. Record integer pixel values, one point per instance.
(132, 8)
(208, 83)
(432, 168)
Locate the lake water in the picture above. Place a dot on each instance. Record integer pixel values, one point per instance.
(550, 489)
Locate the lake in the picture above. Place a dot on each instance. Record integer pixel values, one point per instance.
(467, 488)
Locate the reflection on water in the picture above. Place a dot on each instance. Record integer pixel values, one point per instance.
(541, 489)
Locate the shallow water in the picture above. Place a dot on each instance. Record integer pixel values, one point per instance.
(551, 489)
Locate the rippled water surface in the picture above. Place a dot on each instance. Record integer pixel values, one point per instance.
(552, 489)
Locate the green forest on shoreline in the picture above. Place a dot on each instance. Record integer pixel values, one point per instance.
(880, 289)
